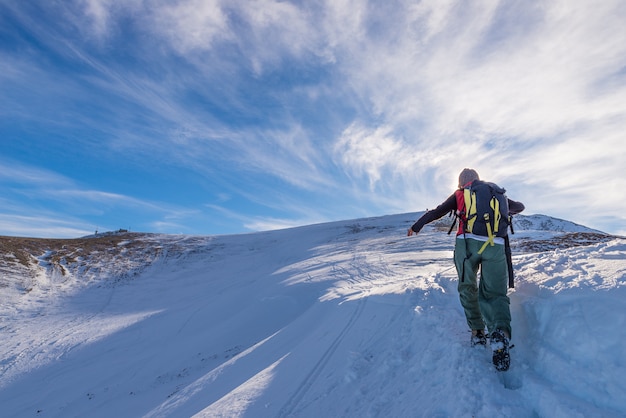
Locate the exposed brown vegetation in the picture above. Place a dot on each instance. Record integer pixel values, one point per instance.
(114, 255)
(25, 250)
(574, 239)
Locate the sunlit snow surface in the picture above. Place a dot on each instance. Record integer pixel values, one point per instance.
(345, 319)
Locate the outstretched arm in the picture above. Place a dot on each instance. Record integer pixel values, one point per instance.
(432, 215)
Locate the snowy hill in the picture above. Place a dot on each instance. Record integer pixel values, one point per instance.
(344, 319)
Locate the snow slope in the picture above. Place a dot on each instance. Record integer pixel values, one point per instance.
(345, 319)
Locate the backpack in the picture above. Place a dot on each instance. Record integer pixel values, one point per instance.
(486, 213)
(486, 210)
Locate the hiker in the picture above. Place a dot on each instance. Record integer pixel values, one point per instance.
(484, 303)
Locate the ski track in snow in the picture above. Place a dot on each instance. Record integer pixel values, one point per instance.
(292, 403)
(347, 319)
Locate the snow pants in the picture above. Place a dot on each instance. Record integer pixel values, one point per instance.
(485, 302)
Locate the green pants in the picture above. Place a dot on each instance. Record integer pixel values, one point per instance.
(485, 303)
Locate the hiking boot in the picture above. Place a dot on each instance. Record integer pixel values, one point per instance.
(500, 347)
(478, 338)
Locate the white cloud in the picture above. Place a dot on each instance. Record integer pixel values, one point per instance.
(99, 197)
(41, 182)
(528, 90)
(98, 12)
(262, 32)
(191, 25)
(289, 154)
(11, 172)
(537, 95)
(278, 25)
(369, 152)
(452, 75)
(98, 19)
(42, 226)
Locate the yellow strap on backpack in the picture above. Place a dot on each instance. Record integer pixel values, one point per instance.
(495, 205)
(491, 232)
(470, 209)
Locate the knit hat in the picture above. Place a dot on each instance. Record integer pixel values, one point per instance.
(467, 175)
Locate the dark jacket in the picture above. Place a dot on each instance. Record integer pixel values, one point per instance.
(451, 204)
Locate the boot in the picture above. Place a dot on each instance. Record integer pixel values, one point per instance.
(500, 347)
(478, 338)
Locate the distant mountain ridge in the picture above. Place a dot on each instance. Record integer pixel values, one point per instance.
(532, 223)
(547, 223)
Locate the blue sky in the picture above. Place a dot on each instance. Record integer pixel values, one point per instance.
(221, 117)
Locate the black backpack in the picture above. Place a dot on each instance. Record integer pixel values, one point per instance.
(486, 209)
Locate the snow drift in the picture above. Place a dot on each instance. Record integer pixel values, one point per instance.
(345, 319)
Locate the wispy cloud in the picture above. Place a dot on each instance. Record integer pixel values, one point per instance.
(58, 205)
(363, 105)
(193, 25)
(369, 152)
(517, 90)
(42, 226)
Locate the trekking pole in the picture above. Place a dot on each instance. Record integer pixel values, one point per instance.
(509, 256)
(509, 261)
(452, 213)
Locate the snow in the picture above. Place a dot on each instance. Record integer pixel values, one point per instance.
(344, 319)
